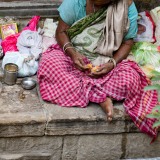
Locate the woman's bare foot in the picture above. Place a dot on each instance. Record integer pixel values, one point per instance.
(107, 106)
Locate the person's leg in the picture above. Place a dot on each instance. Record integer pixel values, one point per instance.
(127, 83)
(107, 107)
(59, 81)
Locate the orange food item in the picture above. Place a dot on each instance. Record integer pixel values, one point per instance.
(89, 66)
(94, 69)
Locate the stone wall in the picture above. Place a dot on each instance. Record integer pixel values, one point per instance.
(146, 4)
(48, 8)
(83, 147)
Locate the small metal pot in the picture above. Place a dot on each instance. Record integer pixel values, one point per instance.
(10, 73)
(28, 83)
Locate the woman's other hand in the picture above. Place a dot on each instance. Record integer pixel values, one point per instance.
(102, 70)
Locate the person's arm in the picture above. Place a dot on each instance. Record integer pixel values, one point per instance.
(123, 51)
(119, 55)
(125, 47)
(62, 38)
(64, 42)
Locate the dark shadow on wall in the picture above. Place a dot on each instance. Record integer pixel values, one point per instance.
(143, 5)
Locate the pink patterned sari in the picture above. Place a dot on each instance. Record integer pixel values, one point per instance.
(61, 83)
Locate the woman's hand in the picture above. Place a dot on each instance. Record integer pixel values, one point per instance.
(78, 60)
(102, 70)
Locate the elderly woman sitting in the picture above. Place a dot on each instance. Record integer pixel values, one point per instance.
(88, 63)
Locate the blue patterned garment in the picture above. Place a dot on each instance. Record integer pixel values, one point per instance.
(73, 10)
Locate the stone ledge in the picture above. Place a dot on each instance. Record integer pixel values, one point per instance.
(28, 9)
(33, 129)
(90, 120)
(48, 8)
(83, 147)
(24, 113)
(21, 113)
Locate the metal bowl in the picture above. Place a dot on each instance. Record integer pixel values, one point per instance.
(28, 83)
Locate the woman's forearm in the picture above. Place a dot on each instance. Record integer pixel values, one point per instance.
(123, 51)
(63, 39)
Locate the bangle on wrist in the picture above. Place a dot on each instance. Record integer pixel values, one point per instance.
(68, 48)
(66, 45)
(111, 60)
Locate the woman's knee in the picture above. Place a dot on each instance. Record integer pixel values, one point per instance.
(133, 80)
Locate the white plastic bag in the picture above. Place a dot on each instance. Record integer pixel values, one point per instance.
(30, 42)
(146, 21)
(27, 65)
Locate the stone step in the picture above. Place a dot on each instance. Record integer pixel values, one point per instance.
(48, 8)
(29, 126)
(24, 114)
(27, 9)
(90, 120)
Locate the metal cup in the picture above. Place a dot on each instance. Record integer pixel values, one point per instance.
(10, 73)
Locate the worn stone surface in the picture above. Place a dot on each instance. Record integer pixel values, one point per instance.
(14, 98)
(143, 5)
(83, 147)
(91, 136)
(70, 147)
(31, 147)
(138, 146)
(20, 112)
(47, 8)
(100, 147)
(27, 9)
(90, 120)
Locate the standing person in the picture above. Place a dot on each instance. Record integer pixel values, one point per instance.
(96, 33)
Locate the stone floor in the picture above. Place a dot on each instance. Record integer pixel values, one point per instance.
(25, 107)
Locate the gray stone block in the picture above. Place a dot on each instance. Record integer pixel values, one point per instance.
(138, 146)
(31, 148)
(21, 113)
(100, 147)
(70, 148)
(143, 5)
(90, 120)
(48, 8)
(27, 9)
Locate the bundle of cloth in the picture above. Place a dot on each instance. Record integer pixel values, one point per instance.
(48, 33)
(149, 26)
(24, 49)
